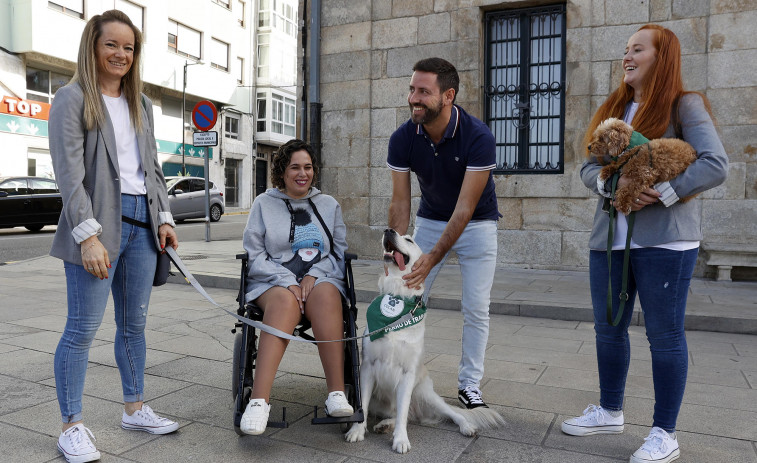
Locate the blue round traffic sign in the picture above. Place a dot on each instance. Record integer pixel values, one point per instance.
(204, 115)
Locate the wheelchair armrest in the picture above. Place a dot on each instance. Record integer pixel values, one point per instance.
(349, 256)
(242, 256)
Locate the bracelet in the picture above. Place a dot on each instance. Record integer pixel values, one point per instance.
(90, 247)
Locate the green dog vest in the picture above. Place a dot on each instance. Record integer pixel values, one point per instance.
(387, 309)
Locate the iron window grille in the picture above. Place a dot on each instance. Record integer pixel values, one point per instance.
(524, 94)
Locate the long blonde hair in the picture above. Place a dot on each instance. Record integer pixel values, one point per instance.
(87, 77)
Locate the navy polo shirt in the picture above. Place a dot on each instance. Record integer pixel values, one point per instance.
(467, 145)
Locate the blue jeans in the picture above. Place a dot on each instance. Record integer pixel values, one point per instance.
(476, 250)
(130, 280)
(661, 278)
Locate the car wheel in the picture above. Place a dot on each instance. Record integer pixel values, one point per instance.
(215, 213)
(33, 228)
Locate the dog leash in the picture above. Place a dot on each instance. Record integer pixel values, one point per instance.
(623, 296)
(270, 329)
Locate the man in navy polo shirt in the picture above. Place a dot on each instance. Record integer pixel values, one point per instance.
(452, 153)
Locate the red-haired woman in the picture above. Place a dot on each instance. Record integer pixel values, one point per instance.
(665, 240)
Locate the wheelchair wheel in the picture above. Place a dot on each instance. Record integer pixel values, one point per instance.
(243, 362)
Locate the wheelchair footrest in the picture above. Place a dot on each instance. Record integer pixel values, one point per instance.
(280, 424)
(356, 417)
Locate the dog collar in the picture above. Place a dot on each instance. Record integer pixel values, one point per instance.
(387, 309)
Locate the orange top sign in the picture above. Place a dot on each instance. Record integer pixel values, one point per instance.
(25, 108)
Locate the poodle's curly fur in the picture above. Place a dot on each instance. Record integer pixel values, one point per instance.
(659, 160)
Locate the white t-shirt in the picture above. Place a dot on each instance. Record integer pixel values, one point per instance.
(621, 224)
(129, 161)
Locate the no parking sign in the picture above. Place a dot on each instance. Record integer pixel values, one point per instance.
(204, 115)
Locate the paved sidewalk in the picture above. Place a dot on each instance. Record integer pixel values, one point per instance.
(539, 371)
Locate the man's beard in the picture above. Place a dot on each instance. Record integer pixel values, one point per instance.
(429, 115)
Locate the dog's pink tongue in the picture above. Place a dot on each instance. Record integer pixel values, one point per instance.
(399, 259)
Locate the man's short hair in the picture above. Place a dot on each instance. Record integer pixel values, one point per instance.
(446, 73)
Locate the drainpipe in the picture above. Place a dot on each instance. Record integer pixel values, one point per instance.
(304, 102)
(314, 81)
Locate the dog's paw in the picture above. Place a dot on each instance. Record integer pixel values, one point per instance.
(356, 433)
(384, 426)
(401, 445)
(467, 429)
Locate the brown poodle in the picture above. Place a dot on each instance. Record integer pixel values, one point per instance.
(647, 164)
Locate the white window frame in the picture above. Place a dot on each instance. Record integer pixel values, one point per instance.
(227, 132)
(184, 34)
(240, 70)
(73, 8)
(47, 97)
(224, 3)
(239, 9)
(219, 54)
(135, 12)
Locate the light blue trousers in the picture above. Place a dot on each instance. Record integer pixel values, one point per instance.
(476, 250)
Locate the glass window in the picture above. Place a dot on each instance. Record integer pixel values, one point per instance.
(223, 3)
(42, 186)
(239, 12)
(261, 123)
(184, 40)
(41, 85)
(219, 55)
(524, 93)
(133, 11)
(73, 8)
(240, 70)
(14, 187)
(231, 127)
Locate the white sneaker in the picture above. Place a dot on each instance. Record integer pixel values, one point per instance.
(148, 421)
(337, 405)
(76, 446)
(595, 420)
(659, 447)
(255, 417)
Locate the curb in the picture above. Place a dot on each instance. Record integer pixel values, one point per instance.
(555, 312)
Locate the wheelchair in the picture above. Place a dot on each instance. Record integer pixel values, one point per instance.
(246, 352)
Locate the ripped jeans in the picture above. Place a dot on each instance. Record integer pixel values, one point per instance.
(130, 280)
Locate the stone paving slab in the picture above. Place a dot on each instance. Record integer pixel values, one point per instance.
(538, 372)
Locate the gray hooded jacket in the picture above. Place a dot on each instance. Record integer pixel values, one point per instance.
(283, 247)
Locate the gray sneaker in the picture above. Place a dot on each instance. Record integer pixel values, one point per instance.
(595, 420)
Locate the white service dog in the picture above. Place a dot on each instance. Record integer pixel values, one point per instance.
(393, 377)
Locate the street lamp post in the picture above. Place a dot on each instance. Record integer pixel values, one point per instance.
(183, 116)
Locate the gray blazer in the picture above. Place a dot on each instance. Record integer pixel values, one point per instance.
(86, 169)
(657, 224)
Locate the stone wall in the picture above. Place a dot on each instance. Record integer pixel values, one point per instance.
(369, 47)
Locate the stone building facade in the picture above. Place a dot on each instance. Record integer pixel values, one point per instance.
(368, 48)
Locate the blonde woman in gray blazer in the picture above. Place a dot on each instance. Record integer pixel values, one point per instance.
(664, 245)
(115, 221)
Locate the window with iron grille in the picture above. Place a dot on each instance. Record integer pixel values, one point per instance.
(524, 95)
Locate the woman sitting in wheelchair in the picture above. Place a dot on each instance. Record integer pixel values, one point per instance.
(295, 242)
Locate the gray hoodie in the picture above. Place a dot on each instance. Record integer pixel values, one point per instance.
(274, 260)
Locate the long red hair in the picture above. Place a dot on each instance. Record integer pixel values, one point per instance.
(662, 87)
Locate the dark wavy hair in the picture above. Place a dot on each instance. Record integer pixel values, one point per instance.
(446, 73)
(283, 157)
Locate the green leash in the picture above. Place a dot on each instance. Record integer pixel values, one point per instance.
(626, 254)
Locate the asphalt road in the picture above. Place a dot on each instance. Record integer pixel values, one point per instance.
(20, 244)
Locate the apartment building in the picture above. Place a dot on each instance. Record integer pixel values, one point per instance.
(194, 50)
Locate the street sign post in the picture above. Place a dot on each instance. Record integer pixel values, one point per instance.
(204, 117)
